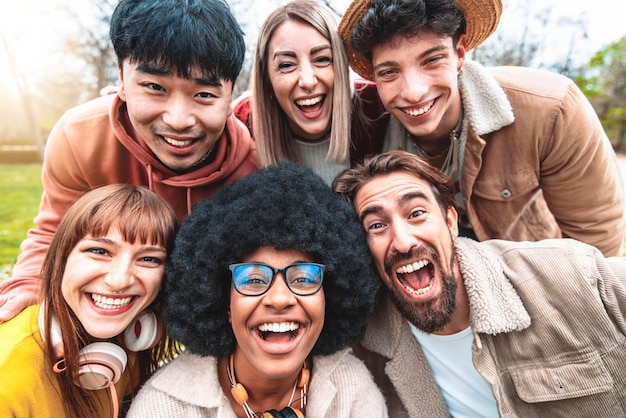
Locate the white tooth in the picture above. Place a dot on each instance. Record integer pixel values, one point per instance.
(309, 102)
(109, 303)
(409, 268)
(176, 142)
(278, 327)
(420, 111)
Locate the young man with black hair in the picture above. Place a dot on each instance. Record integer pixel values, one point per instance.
(168, 128)
(525, 149)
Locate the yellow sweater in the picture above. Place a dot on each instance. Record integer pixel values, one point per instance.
(28, 386)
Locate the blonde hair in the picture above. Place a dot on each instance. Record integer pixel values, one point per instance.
(140, 215)
(269, 123)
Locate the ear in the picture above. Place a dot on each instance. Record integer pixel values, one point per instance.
(230, 319)
(461, 51)
(451, 219)
(120, 76)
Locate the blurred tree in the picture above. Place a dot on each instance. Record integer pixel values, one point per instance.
(604, 82)
(523, 39)
(92, 48)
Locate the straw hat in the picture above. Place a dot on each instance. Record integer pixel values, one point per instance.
(481, 20)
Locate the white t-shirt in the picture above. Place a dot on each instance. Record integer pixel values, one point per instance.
(465, 391)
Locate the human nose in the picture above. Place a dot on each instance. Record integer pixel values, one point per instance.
(414, 86)
(178, 114)
(279, 296)
(403, 237)
(120, 275)
(307, 79)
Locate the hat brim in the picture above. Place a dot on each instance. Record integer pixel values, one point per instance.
(481, 20)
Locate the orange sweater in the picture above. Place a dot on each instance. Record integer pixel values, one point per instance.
(91, 146)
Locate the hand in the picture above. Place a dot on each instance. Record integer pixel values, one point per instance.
(14, 299)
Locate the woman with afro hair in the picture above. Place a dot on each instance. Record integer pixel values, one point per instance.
(268, 284)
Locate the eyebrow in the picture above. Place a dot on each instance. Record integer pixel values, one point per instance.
(421, 56)
(115, 243)
(148, 68)
(314, 50)
(407, 197)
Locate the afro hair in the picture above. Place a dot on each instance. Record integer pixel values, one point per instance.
(287, 207)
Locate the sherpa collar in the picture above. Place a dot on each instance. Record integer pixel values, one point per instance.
(495, 306)
(485, 104)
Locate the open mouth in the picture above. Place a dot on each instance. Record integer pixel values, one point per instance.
(104, 302)
(310, 105)
(417, 278)
(417, 111)
(278, 331)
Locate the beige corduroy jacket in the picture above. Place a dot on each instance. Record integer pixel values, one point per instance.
(549, 324)
(536, 162)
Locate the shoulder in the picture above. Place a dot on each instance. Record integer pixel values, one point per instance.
(32, 383)
(345, 377)
(199, 374)
(551, 260)
(532, 81)
(242, 108)
(20, 339)
(89, 120)
(96, 108)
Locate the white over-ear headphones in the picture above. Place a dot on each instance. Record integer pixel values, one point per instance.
(102, 364)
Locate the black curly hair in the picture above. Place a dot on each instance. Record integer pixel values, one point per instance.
(285, 206)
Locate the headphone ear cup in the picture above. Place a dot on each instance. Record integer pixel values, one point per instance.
(143, 333)
(100, 365)
(55, 331)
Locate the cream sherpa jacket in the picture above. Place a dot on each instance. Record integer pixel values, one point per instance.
(341, 387)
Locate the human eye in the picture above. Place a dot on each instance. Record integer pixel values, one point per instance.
(97, 251)
(154, 87)
(373, 225)
(251, 279)
(386, 74)
(323, 61)
(417, 213)
(286, 66)
(205, 95)
(304, 276)
(152, 260)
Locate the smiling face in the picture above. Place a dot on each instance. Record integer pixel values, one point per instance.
(179, 119)
(417, 80)
(412, 243)
(300, 66)
(276, 331)
(98, 266)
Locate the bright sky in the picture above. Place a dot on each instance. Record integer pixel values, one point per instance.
(33, 28)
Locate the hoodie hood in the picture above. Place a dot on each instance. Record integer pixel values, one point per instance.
(234, 156)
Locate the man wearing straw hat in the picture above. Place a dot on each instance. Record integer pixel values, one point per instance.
(525, 149)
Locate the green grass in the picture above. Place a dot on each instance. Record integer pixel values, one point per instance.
(20, 191)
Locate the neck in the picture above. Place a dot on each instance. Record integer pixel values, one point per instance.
(311, 140)
(262, 394)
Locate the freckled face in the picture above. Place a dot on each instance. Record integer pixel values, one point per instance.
(96, 267)
(179, 119)
(300, 66)
(271, 354)
(417, 80)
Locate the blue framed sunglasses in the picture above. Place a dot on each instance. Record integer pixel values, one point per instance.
(254, 279)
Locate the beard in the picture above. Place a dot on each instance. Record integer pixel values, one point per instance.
(432, 315)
